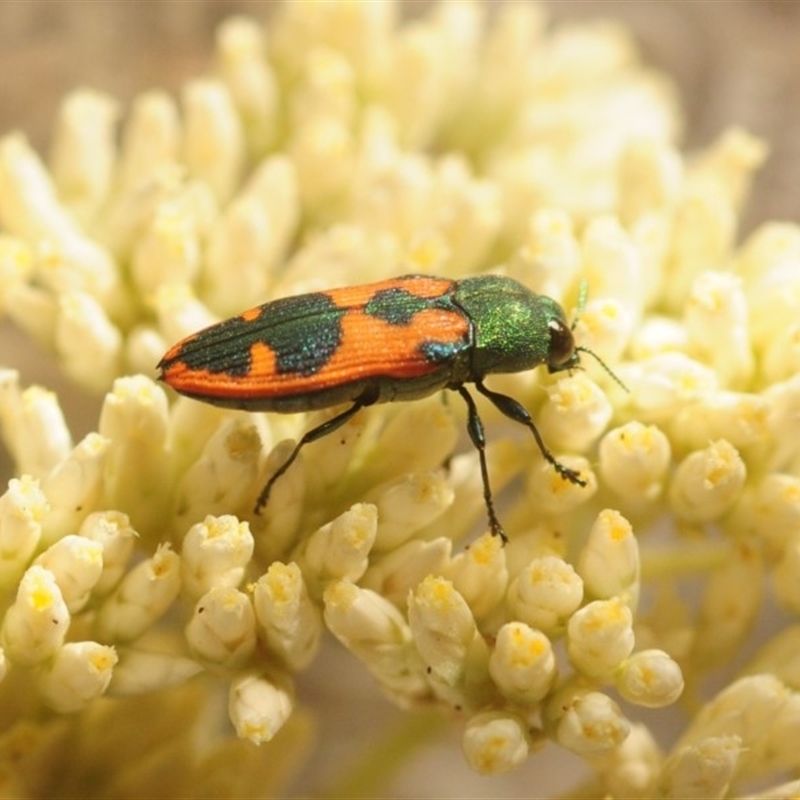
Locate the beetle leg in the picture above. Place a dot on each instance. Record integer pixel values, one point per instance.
(329, 426)
(475, 430)
(517, 412)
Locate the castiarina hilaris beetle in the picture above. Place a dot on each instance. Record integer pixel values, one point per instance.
(394, 340)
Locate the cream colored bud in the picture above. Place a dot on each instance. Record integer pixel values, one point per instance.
(113, 531)
(587, 723)
(36, 623)
(288, 619)
(84, 152)
(215, 553)
(600, 637)
(395, 574)
(22, 508)
(495, 742)
(79, 673)
(258, 707)
(408, 504)
(74, 487)
(480, 574)
(650, 678)
(76, 563)
(142, 597)
(89, 345)
(704, 769)
(634, 460)
(340, 549)
(143, 672)
(576, 414)
(609, 561)
(150, 137)
(222, 630)
(213, 144)
(522, 663)
(545, 594)
(707, 482)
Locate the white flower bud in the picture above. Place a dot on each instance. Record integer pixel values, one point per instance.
(631, 769)
(22, 508)
(341, 548)
(35, 428)
(88, 344)
(549, 493)
(707, 482)
(716, 321)
(600, 637)
(395, 574)
(783, 404)
(576, 414)
(741, 419)
(444, 631)
(704, 228)
(634, 460)
(288, 620)
(79, 673)
(222, 476)
(241, 62)
(76, 563)
(651, 175)
(258, 707)
(604, 326)
(168, 251)
(704, 769)
(586, 723)
(612, 264)
(545, 594)
(222, 630)
(480, 574)
(609, 561)
(4, 665)
(180, 313)
(649, 678)
(134, 420)
(150, 138)
(213, 145)
(113, 531)
(780, 358)
(522, 663)
(30, 209)
(214, 553)
(74, 487)
(36, 623)
(84, 152)
(495, 742)
(141, 672)
(142, 598)
(408, 504)
(550, 256)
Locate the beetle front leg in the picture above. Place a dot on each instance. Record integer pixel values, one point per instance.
(517, 412)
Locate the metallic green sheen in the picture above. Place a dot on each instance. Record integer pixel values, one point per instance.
(513, 326)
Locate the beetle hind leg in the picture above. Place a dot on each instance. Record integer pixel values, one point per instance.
(329, 426)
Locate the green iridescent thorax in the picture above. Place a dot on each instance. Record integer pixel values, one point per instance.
(513, 325)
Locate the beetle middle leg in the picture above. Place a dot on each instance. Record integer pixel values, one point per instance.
(329, 426)
(517, 412)
(476, 434)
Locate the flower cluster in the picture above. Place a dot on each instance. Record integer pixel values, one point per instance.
(342, 144)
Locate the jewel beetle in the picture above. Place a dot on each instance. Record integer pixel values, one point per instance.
(394, 340)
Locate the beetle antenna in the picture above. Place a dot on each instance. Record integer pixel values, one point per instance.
(583, 294)
(603, 364)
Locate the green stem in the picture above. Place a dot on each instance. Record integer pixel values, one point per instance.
(370, 775)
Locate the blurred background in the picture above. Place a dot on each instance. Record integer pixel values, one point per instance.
(734, 61)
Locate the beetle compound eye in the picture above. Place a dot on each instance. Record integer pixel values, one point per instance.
(561, 352)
